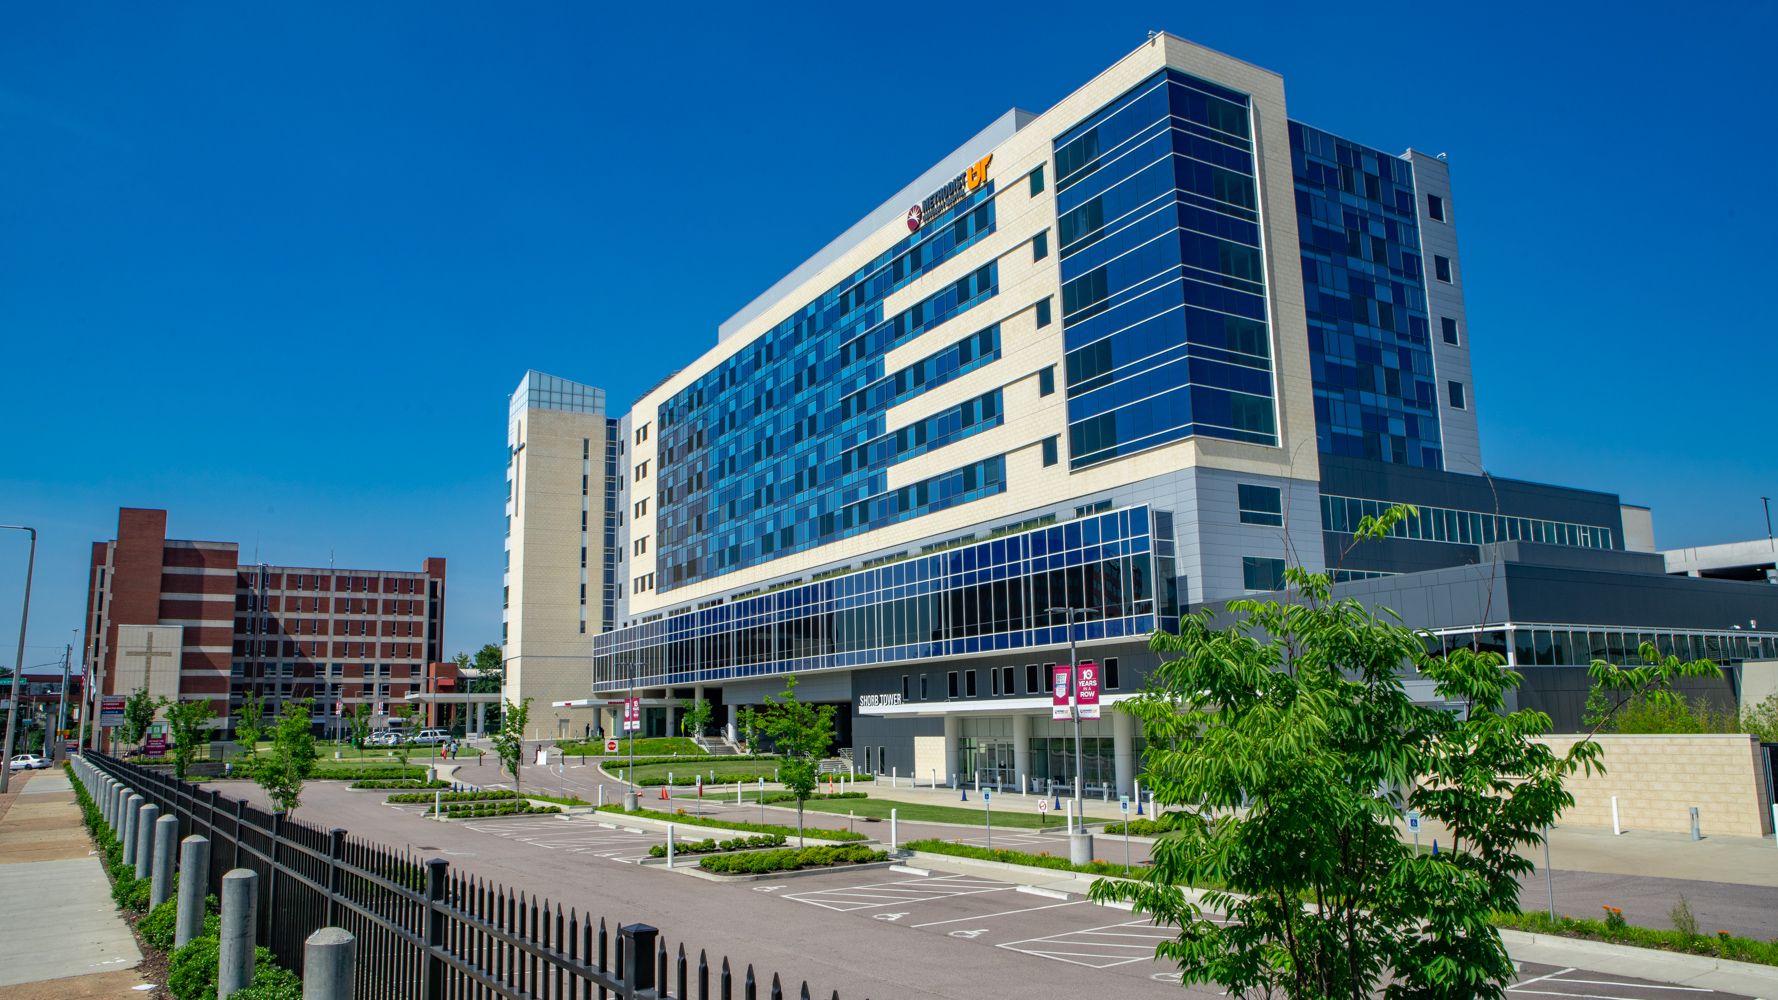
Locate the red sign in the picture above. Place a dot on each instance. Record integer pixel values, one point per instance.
(1089, 690)
(632, 714)
(156, 746)
(1059, 703)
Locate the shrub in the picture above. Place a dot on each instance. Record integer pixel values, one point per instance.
(774, 861)
(192, 975)
(1021, 858)
(727, 825)
(1144, 827)
(710, 845)
(1722, 945)
(157, 928)
(132, 893)
(497, 793)
(413, 783)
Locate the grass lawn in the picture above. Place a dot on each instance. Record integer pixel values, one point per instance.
(687, 773)
(655, 747)
(1022, 815)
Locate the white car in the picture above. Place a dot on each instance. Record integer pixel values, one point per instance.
(29, 762)
(430, 737)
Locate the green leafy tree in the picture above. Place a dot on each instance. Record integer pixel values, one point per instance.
(492, 663)
(290, 759)
(404, 714)
(509, 742)
(802, 733)
(1762, 719)
(251, 728)
(138, 715)
(359, 723)
(1288, 750)
(696, 716)
(747, 722)
(190, 722)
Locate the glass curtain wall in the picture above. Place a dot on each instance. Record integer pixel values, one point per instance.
(1162, 267)
(978, 597)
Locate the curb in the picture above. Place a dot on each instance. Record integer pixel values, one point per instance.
(1727, 975)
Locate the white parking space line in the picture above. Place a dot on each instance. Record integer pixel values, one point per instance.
(1640, 986)
(1002, 913)
(900, 893)
(574, 838)
(1097, 947)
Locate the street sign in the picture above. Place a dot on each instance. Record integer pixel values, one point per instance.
(1123, 804)
(1043, 805)
(610, 746)
(1413, 822)
(1059, 707)
(632, 714)
(111, 711)
(987, 796)
(156, 746)
(543, 755)
(1089, 690)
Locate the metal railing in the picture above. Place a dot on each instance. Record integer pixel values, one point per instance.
(425, 932)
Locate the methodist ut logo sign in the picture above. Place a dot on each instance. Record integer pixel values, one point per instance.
(964, 183)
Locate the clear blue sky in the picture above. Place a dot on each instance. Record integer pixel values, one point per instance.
(275, 267)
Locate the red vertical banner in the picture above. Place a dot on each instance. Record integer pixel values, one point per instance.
(1059, 702)
(1089, 690)
(632, 714)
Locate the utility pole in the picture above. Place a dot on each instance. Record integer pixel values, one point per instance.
(1074, 710)
(18, 665)
(1767, 503)
(62, 711)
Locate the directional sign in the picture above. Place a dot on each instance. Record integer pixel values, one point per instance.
(111, 711)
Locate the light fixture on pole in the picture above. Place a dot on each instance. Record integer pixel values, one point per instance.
(16, 690)
(1081, 842)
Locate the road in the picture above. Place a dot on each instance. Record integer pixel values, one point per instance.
(871, 933)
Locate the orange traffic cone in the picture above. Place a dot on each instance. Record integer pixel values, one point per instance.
(664, 794)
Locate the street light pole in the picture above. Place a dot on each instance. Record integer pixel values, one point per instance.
(62, 710)
(18, 665)
(1074, 710)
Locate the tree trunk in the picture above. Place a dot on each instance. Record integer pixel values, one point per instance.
(801, 841)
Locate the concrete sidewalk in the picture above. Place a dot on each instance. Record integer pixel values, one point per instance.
(53, 881)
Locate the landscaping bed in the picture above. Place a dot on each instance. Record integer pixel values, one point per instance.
(1614, 930)
(483, 809)
(496, 793)
(1041, 860)
(710, 845)
(761, 862)
(411, 783)
(720, 824)
(1142, 827)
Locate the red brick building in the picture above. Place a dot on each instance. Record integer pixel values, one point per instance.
(186, 620)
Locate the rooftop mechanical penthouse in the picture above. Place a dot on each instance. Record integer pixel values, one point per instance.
(1128, 356)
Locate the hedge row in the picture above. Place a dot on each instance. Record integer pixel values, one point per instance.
(722, 824)
(497, 793)
(412, 783)
(1044, 860)
(460, 810)
(783, 861)
(1720, 945)
(710, 845)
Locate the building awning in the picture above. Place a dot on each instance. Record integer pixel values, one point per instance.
(456, 699)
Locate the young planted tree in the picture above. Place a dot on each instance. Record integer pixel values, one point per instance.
(509, 742)
(250, 730)
(358, 724)
(190, 722)
(1297, 715)
(747, 722)
(802, 733)
(290, 759)
(138, 715)
(696, 716)
(404, 714)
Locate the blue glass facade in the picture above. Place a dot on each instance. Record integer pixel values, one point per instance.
(977, 598)
(1370, 352)
(1163, 284)
(781, 447)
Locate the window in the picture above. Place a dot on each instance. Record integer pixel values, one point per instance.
(1040, 246)
(1441, 268)
(1046, 381)
(1043, 313)
(969, 683)
(1049, 451)
(642, 434)
(1450, 327)
(1049, 678)
(1007, 677)
(1456, 395)
(1037, 181)
(1435, 207)
(1261, 505)
(922, 687)
(994, 682)
(953, 684)
(1031, 686)
(1260, 573)
(904, 687)
(1109, 676)
(641, 472)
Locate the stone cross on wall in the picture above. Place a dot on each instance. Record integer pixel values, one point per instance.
(148, 653)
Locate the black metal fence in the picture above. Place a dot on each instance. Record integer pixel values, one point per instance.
(425, 932)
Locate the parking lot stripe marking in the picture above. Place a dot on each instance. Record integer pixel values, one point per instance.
(1640, 986)
(1582, 996)
(1547, 975)
(1003, 913)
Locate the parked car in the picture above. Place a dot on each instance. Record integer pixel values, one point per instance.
(386, 738)
(430, 737)
(29, 762)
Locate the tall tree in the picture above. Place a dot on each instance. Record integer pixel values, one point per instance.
(138, 715)
(509, 742)
(696, 716)
(1288, 749)
(359, 724)
(801, 733)
(250, 730)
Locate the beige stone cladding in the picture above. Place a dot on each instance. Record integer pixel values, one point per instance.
(929, 758)
(1026, 348)
(548, 657)
(1658, 779)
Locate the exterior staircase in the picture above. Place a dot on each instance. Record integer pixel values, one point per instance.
(716, 746)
